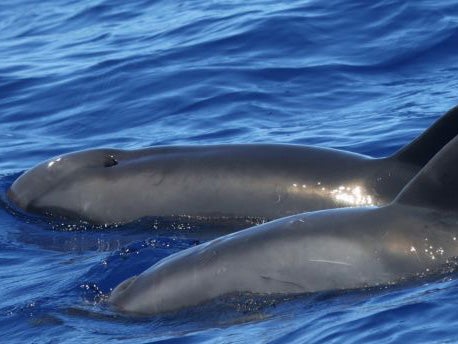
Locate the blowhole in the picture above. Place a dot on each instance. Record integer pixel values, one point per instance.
(110, 161)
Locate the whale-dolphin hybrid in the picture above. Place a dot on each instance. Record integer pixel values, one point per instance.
(333, 249)
(110, 186)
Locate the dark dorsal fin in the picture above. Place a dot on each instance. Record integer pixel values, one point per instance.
(425, 146)
(436, 185)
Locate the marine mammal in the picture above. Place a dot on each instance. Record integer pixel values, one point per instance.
(324, 250)
(259, 180)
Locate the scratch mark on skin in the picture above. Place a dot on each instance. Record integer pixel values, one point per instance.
(291, 284)
(329, 262)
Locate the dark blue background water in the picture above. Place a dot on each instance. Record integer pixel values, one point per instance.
(365, 76)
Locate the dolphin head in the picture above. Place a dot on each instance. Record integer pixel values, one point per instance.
(49, 185)
(186, 278)
(159, 289)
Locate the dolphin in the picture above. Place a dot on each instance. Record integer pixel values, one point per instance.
(346, 248)
(111, 186)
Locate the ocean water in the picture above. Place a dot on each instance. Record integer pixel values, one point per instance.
(364, 76)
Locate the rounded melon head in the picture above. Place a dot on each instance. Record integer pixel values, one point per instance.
(28, 191)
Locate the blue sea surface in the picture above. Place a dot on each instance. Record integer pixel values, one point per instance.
(364, 76)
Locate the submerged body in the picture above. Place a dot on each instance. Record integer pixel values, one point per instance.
(258, 180)
(325, 250)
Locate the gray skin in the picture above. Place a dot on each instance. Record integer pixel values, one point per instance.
(108, 186)
(324, 250)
